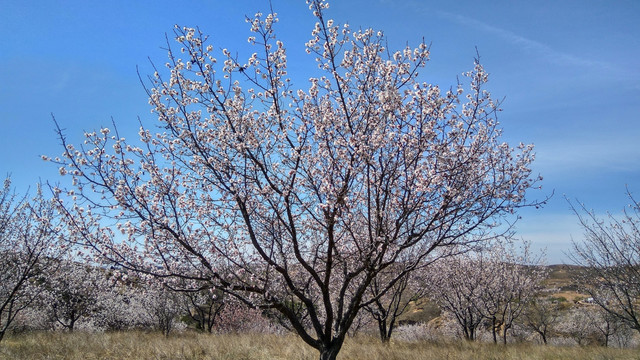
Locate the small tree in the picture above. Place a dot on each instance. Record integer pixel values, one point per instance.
(611, 253)
(203, 307)
(541, 316)
(161, 306)
(512, 278)
(27, 251)
(73, 292)
(237, 318)
(608, 327)
(577, 324)
(124, 304)
(296, 200)
(387, 307)
(493, 284)
(455, 284)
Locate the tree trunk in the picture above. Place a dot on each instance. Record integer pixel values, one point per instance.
(494, 330)
(504, 337)
(382, 329)
(504, 334)
(330, 352)
(470, 333)
(329, 349)
(385, 333)
(385, 338)
(391, 327)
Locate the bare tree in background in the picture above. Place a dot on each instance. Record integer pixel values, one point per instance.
(610, 328)
(388, 306)
(541, 315)
(512, 278)
(611, 253)
(203, 307)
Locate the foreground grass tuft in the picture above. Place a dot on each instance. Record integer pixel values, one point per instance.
(192, 346)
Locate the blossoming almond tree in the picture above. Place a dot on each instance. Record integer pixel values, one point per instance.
(73, 293)
(27, 250)
(295, 200)
(494, 284)
(161, 306)
(123, 305)
(456, 286)
(514, 277)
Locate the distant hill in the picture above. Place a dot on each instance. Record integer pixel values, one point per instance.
(562, 277)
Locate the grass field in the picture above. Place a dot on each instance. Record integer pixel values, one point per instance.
(141, 345)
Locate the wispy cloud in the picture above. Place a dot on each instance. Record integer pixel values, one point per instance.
(527, 44)
(596, 153)
(554, 238)
(556, 232)
(62, 80)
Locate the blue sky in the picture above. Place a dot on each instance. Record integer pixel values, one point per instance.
(569, 72)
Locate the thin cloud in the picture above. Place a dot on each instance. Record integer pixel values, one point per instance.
(588, 154)
(554, 238)
(62, 80)
(527, 44)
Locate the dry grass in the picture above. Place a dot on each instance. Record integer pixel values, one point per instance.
(570, 296)
(140, 345)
